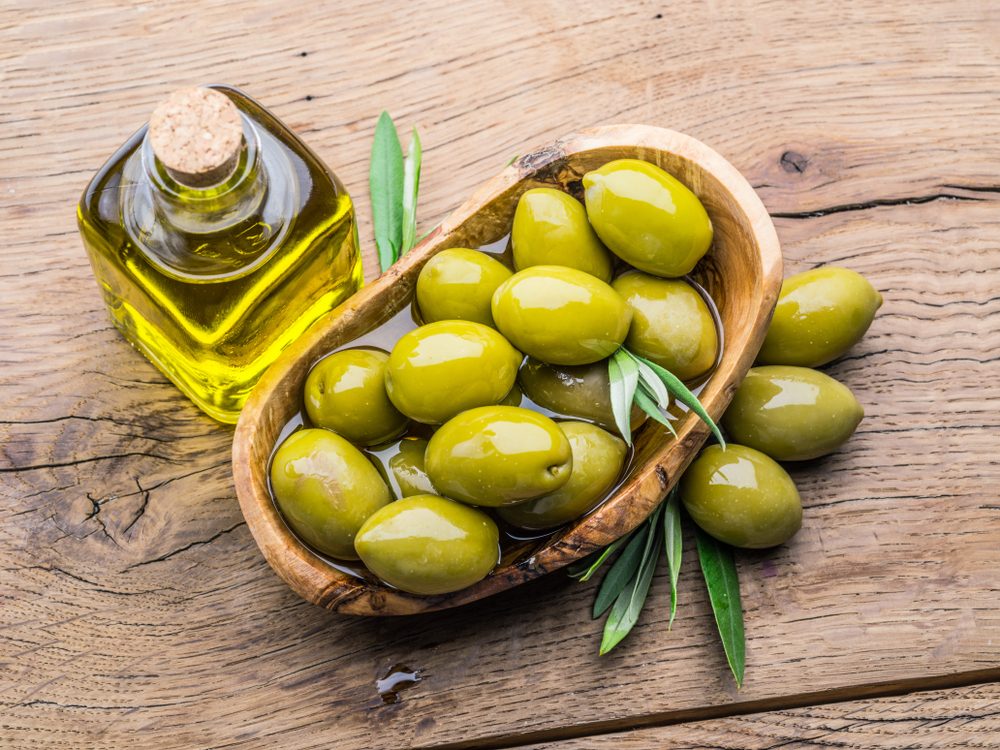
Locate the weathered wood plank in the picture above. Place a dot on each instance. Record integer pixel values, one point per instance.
(134, 601)
(941, 719)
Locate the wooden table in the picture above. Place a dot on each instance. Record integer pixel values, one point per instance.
(137, 611)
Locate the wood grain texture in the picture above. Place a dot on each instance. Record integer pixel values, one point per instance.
(742, 273)
(136, 608)
(967, 717)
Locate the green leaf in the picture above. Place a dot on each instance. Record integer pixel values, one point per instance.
(385, 183)
(674, 540)
(584, 569)
(411, 187)
(621, 572)
(644, 402)
(649, 379)
(719, 569)
(682, 394)
(627, 607)
(511, 160)
(624, 376)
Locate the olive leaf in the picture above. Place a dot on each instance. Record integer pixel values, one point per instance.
(583, 569)
(644, 402)
(680, 391)
(673, 540)
(623, 373)
(621, 572)
(719, 570)
(385, 184)
(628, 606)
(653, 385)
(411, 187)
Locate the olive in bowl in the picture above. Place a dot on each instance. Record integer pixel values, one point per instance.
(326, 489)
(498, 455)
(345, 392)
(425, 544)
(443, 368)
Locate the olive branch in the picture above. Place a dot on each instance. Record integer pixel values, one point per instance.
(626, 585)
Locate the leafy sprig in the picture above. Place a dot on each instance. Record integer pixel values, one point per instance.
(637, 380)
(394, 185)
(625, 587)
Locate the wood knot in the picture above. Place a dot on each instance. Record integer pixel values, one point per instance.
(793, 162)
(661, 474)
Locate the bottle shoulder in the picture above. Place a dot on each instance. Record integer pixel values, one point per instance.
(288, 196)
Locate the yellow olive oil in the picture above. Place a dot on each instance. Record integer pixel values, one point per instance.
(212, 283)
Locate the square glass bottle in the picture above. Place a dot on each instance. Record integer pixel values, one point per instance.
(217, 237)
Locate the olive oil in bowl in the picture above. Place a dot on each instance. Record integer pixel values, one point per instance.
(218, 238)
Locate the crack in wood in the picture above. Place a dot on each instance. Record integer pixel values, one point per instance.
(186, 547)
(142, 508)
(876, 203)
(79, 461)
(803, 700)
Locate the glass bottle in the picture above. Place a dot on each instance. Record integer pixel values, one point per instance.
(217, 237)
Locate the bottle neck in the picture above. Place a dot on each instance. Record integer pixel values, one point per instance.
(205, 210)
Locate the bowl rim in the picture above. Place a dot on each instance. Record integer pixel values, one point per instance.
(317, 581)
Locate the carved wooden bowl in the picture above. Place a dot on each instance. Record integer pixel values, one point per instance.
(742, 272)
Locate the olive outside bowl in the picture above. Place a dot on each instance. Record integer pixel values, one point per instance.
(742, 271)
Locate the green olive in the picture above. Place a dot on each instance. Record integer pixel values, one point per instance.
(428, 545)
(551, 229)
(458, 284)
(598, 458)
(345, 393)
(671, 324)
(647, 217)
(326, 489)
(513, 398)
(561, 315)
(820, 315)
(407, 466)
(498, 455)
(443, 368)
(792, 413)
(741, 497)
(582, 391)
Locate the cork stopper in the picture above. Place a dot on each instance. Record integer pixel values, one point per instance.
(197, 134)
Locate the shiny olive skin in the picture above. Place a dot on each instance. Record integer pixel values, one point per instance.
(345, 392)
(671, 324)
(561, 315)
(498, 455)
(647, 217)
(429, 545)
(598, 458)
(443, 368)
(326, 489)
(458, 284)
(407, 467)
(582, 391)
(741, 497)
(792, 413)
(820, 315)
(551, 229)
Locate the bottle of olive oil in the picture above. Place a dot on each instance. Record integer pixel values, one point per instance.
(217, 238)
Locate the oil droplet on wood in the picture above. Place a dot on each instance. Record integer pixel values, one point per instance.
(399, 677)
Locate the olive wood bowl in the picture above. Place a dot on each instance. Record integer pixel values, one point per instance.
(742, 272)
